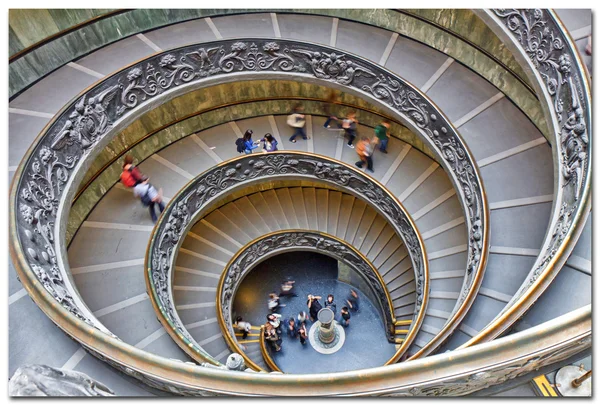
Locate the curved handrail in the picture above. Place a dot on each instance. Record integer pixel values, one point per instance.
(277, 242)
(265, 352)
(540, 40)
(47, 288)
(47, 177)
(197, 197)
(496, 362)
(298, 99)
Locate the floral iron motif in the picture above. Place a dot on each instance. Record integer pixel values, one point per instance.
(545, 44)
(283, 241)
(221, 180)
(72, 137)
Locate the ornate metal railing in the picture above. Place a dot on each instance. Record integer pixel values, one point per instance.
(42, 185)
(278, 242)
(200, 194)
(540, 41)
(47, 178)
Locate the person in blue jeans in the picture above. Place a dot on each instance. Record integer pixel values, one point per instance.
(297, 121)
(150, 197)
(345, 316)
(248, 143)
(353, 300)
(381, 133)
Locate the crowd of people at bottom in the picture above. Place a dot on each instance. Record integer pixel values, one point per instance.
(296, 327)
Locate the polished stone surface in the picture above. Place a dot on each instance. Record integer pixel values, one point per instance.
(245, 25)
(414, 61)
(116, 56)
(314, 274)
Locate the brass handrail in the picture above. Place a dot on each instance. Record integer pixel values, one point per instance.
(226, 327)
(132, 145)
(327, 170)
(569, 112)
(385, 87)
(265, 352)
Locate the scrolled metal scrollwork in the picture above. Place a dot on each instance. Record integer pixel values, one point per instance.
(546, 47)
(72, 139)
(283, 241)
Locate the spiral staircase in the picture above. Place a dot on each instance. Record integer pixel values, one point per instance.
(108, 240)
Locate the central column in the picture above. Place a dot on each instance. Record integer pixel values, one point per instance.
(326, 329)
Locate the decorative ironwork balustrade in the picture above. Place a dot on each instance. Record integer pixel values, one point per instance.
(58, 159)
(198, 196)
(284, 241)
(539, 41)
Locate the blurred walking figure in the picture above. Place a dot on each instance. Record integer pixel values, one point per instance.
(350, 125)
(269, 143)
(131, 175)
(302, 333)
(353, 300)
(345, 316)
(243, 327)
(330, 303)
(364, 149)
(297, 121)
(286, 289)
(302, 317)
(291, 329)
(381, 133)
(273, 302)
(332, 100)
(149, 196)
(314, 306)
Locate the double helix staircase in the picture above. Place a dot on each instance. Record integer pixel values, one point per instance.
(107, 253)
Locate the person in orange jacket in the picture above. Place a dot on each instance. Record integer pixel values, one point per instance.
(364, 149)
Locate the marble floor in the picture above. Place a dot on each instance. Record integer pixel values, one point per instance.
(365, 345)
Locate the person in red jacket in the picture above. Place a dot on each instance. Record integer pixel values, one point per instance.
(131, 175)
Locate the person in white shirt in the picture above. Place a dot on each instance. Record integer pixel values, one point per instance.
(149, 196)
(243, 327)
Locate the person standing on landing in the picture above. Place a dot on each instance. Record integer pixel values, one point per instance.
(249, 144)
(364, 149)
(269, 143)
(381, 133)
(150, 196)
(297, 121)
(350, 125)
(330, 303)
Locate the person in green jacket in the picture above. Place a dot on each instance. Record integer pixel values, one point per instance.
(381, 133)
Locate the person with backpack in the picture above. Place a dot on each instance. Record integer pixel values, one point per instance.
(246, 144)
(131, 175)
(297, 121)
(364, 149)
(269, 143)
(381, 133)
(349, 124)
(149, 196)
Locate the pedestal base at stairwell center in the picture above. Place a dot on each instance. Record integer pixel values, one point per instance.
(337, 340)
